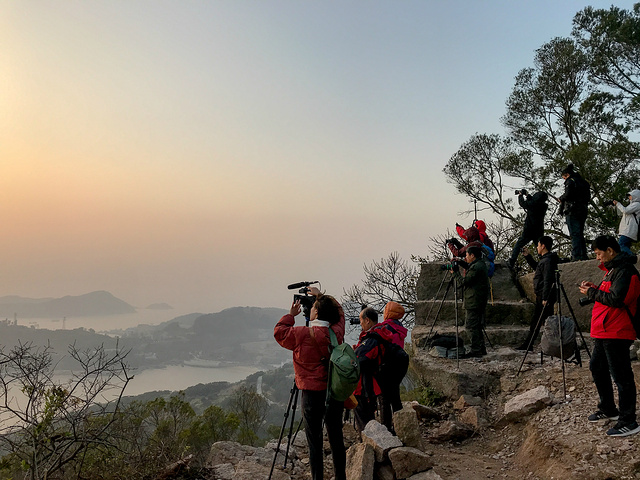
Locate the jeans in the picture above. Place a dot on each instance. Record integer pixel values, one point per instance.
(474, 322)
(313, 413)
(625, 243)
(575, 224)
(610, 359)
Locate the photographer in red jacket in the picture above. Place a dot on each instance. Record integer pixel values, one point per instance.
(615, 300)
(310, 347)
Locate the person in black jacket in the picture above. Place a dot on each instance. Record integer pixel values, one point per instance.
(536, 207)
(574, 205)
(543, 285)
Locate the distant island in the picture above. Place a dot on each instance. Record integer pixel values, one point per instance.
(98, 303)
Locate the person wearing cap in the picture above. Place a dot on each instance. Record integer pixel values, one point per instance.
(574, 204)
(628, 229)
(390, 397)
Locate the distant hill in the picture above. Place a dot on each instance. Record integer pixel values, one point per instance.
(90, 304)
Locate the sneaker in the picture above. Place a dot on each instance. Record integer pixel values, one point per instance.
(624, 430)
(595, 417)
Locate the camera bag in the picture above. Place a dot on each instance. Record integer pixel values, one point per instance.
(551, 336)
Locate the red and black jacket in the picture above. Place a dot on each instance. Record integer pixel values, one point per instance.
(370, 351)
(615, 299)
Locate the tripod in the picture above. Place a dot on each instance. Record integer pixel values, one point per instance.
(559, 288)
(452, 282)
(291, 407)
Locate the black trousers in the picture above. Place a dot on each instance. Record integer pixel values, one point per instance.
(313, 412)
(365, 411)
(474, 323)
(528, 236)
(610, 359)
(391, 402)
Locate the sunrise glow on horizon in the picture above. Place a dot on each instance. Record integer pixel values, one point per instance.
(207, 154)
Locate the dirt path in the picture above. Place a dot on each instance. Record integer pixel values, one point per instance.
(490, 455)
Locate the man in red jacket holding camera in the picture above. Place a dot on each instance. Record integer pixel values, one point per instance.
(615, 301)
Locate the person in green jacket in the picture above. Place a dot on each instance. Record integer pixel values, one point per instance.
(476, 293)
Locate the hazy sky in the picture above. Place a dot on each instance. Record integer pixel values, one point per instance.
(207, 154)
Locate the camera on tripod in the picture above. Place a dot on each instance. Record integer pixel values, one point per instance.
(522, 191)
(453, 266)
(304, 297)
(584, 301)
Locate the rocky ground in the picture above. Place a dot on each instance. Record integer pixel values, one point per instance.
(526, 429)
(555, 442)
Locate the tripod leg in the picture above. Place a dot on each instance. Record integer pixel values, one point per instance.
(439, 308)
(455, 307)
(484, 330)
(564, 381)
(444, 278)
(292, 397)
(538, 325)
(573, 315)
(293, 417)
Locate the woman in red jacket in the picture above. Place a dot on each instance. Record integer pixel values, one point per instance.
(310, 347)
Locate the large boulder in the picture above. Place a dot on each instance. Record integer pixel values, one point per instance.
(377, 435)
(407, 461)
(527, 403)
(360, 462)
(407, 427)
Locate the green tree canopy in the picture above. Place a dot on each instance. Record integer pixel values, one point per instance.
(577, 104)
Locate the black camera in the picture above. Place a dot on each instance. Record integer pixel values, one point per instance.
(304, 297)
(306, 301)
(584, 301)
(607, 203)
(522, 192)
(453, 266)
(356, 320)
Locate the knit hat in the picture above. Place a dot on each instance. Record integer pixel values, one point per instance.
(393, 310)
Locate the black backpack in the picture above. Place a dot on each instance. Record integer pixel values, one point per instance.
(395, 361)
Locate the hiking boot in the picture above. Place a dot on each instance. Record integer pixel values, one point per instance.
(599, 415)
(624, 430)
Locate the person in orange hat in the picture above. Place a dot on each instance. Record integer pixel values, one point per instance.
(391, 402)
